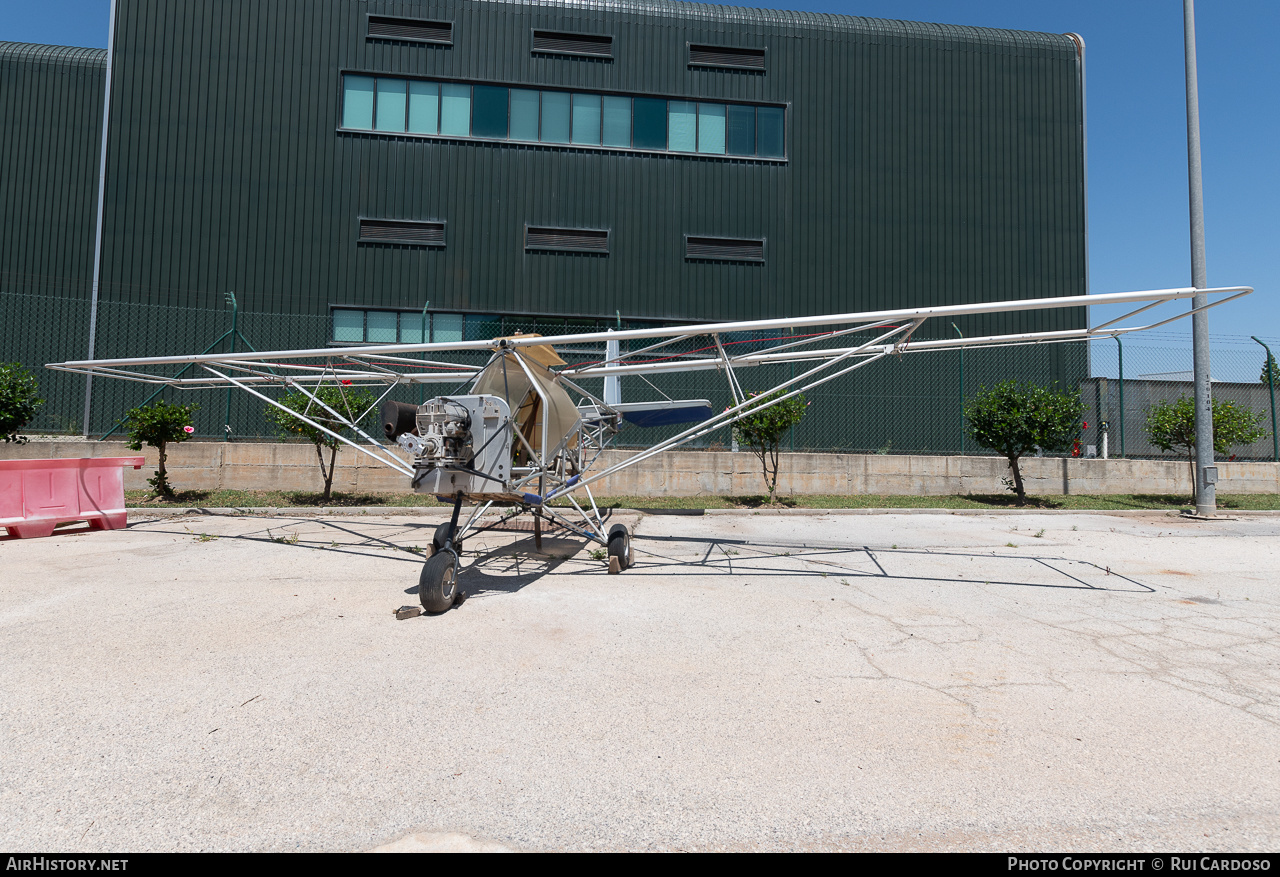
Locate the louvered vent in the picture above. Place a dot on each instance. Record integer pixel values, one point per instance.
(555, 43)
(724, 249)
(416, 234)
(572, 240)
(414, 29)
(726, 56)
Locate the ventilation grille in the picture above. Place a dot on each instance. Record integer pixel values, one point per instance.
(724, 249)
(385, 231)
(726, 56)
(555, 43)
(572, 240)
(415, 29)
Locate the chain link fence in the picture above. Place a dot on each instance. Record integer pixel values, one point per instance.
(910, 403)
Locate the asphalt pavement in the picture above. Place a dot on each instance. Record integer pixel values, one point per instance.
(755, 681)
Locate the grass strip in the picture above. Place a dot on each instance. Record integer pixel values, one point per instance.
(302, 499)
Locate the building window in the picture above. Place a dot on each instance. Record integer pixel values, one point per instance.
(357, 102)
(731, 57)
(724, 249)
(555, 43)
(353, 325)
(416, 30)
(398, 106)
(566, 240)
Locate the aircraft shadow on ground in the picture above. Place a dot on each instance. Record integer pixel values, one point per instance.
(740, 557)
(504, 568)
(512, 566)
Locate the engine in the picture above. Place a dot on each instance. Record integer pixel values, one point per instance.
(444, 429)
(459, 443)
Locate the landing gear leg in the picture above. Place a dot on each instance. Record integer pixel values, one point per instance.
(537, 532)
(438, 584)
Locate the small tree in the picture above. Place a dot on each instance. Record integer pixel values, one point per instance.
(344, 399)
(1270, 365)
(159, 425)
(18, 400)
(1172, 426)
(1015, 418)
(763, 428)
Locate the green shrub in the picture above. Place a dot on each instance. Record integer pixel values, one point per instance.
(762, 430)
(19, 400)
(1015, 418)
(1172, 426)
(1269, 365)
(159, 425)
(347, 400)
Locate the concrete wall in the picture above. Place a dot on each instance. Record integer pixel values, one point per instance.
(253, 466)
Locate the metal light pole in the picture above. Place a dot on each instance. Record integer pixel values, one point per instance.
(1206, 472)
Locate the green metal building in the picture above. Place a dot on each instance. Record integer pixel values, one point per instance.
(338, 164)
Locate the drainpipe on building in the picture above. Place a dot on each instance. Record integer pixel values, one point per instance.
(97, 238)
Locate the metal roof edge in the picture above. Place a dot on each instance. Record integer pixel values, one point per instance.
(43, 54)
(814, 20)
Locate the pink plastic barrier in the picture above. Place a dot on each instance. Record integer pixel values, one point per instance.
(37, 495)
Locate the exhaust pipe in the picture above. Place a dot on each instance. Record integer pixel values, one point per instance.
(398, 418)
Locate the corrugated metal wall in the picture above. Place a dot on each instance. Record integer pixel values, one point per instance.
(50, 137)
(926, 164)
(51, 119)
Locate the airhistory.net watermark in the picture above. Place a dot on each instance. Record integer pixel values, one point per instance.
(50, 863)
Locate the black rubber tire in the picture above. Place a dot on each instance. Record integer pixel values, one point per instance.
(438, 584)
(437, 541)
(620, 544)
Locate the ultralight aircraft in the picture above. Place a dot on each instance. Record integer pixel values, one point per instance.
(525, 431)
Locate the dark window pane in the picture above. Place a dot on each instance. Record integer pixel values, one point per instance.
(742, 130)
(769, 139)
(489, 111)
(650, 129)
(482, 327)
(524, 114)
(555, 117)
(380, 327)
(446, 327)
(348, 325)
(413, 327)
(391, 104)
(357, 102)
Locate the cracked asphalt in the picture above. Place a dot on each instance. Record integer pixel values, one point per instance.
(1039, 683)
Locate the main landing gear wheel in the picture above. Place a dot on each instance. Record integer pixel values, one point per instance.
(619, 548)
(438, 584)
(440, 537)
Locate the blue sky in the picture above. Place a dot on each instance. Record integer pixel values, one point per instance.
(1138, 237)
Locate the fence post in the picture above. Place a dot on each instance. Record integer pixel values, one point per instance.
(1270, 369)
(961, 334)
(235, 314)
(1121, 346)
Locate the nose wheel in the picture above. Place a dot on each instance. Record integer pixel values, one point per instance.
(620, 555)
(438, 583)
(441, 537)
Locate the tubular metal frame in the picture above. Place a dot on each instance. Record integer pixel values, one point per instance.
(561, 469)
